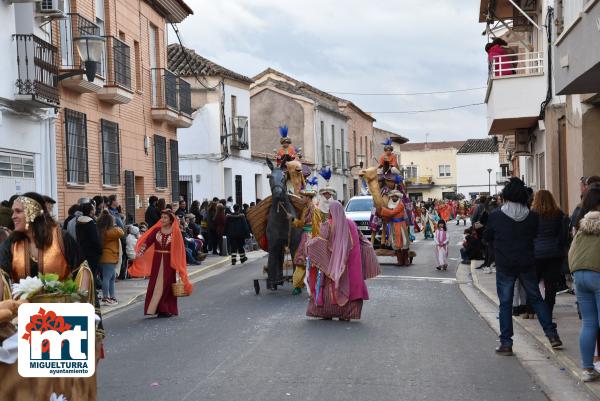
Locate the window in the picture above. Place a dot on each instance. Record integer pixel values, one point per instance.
(100, 23)
(77, 150)
(342, 161)
(338, 157)
(542, 170)
(354, 144)
(347, 164)
(333, 145)
(16, 166)
(323, 157)
(327, 156)
(411, 171)
(233, 106)
(160, 161)
(174, 155)
(444, 170)
(111, 156)
(138, 65)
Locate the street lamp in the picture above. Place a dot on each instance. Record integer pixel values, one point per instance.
(360, 162)
(89, 48)
(489, 170)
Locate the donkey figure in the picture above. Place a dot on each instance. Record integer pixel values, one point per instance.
(280, 232)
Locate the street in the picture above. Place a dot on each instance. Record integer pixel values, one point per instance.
(418, 340)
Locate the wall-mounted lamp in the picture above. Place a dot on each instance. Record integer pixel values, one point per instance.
(89, 48)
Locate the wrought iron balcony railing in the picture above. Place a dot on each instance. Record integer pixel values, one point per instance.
(239, 131)
(118, 63)
(170, 92)
(70, 28)
(37, 70)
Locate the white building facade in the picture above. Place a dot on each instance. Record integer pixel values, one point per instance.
(215, 153)
(477, 169)
(28, 95)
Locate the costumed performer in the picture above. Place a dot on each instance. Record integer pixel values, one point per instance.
(395, 216)
(309, 222)
(339, 264)
(38, 245)
(287, 151)
(161, 255)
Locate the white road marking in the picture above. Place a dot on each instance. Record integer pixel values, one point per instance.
(415, 278)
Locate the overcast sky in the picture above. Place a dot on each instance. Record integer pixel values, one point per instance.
(379, 46)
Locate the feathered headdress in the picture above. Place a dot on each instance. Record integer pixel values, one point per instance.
(387, 144)
(313, 181)
(325, 173)
(283, 133)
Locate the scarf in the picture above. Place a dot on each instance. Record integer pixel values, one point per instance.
(142, 265)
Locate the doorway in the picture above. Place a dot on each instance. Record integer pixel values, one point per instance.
(238, 189)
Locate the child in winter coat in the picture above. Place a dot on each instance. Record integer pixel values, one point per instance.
(441, 240)
(131, 241)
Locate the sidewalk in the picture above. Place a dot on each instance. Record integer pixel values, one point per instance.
(133, 290)
(565, 316)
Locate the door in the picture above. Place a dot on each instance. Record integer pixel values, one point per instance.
(238, 189)
(130, 205)
(562, 164)
(140, 199)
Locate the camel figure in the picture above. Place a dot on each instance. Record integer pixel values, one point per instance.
(295, 177)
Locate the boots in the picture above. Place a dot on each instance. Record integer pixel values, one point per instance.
(400, 260)
(233, 259)
(243, 258)
(405, 258)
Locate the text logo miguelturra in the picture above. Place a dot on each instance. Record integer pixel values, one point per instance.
(57, 340)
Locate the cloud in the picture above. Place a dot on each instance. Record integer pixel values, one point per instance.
(358, 46)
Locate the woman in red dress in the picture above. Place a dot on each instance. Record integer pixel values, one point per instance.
(161, 255)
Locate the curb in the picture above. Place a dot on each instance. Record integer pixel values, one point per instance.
(567, 363)
(138, 297)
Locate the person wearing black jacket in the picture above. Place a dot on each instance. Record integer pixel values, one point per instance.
(87, 236)
(152, 215)
(550, 244)
(513, 230)
(237, 232)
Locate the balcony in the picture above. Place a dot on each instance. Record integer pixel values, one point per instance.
(37, 72)
(117, 89)
(420, 182)
(516, 88)
(239, 130)
(70, 28)
(502, 178)
(171, 98)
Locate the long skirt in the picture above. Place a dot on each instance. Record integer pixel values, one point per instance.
(330, 309)
(159, 296)
(441, 253)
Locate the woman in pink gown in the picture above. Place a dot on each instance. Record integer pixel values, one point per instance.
(336, 279)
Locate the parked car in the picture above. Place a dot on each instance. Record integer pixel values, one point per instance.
(358, 209)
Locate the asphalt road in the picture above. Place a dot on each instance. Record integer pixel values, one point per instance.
(419, 339)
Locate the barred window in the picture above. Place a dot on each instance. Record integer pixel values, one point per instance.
(160, 161)
(77, 150)
(338, 157)
(111, 157)
(174, 153)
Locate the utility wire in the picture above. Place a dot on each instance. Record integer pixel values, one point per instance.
(426, 111)
(408, 94)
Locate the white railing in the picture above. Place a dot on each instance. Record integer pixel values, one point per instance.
(517, 65)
